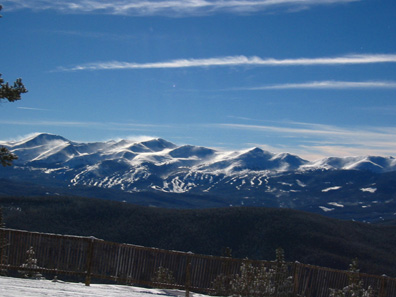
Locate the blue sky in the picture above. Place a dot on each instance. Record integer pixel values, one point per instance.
(312, 77)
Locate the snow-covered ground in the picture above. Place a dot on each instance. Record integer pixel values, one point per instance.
(17, 287)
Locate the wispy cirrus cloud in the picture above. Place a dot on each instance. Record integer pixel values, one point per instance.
(233, 61)
(116, 126)
(314, 141)
(167, 7)
(32, 108)
(329, 84)
(307, 130)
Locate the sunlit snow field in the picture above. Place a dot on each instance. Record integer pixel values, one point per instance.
(38, 288)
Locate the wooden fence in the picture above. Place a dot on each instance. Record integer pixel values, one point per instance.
(91, 258)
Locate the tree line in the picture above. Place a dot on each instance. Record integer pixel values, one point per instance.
(9, 92)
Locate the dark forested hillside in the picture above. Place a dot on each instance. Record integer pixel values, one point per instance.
(249, 232)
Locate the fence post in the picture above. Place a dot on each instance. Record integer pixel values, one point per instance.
(2, 245)
(188, 276)
(382, 292)
(89, 261)
(296, 281)
(3, 241)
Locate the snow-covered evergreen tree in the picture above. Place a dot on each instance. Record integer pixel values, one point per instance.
(283, 282)
(355, 287)
(253, 281)
(30, 265)
(249, 281)
(222, 285)
(163, 278)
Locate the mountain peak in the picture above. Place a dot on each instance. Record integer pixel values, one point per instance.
(256, 152)
(38, 139)
(158, 144)
(46, 136)
(186, 151)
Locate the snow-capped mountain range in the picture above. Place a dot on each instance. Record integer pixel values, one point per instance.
(247, 177)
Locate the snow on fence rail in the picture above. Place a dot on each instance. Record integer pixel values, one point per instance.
(89, 257)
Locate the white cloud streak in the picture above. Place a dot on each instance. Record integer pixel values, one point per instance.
(32, 108)
(233, 61)
(381, 135)
(314, 141)
(116, 126)
(166, 7)
(329, 85)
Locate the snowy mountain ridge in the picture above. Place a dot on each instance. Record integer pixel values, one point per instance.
(161, 165)
(142, 172)
(47, 149)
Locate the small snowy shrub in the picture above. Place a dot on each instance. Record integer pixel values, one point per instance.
(31, 265)
(355, 287)
(282, 281)
(163, 278)
(222, 285)
(257, 281)
(252, 282)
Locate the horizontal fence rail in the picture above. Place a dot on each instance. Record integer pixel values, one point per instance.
(91, 258)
